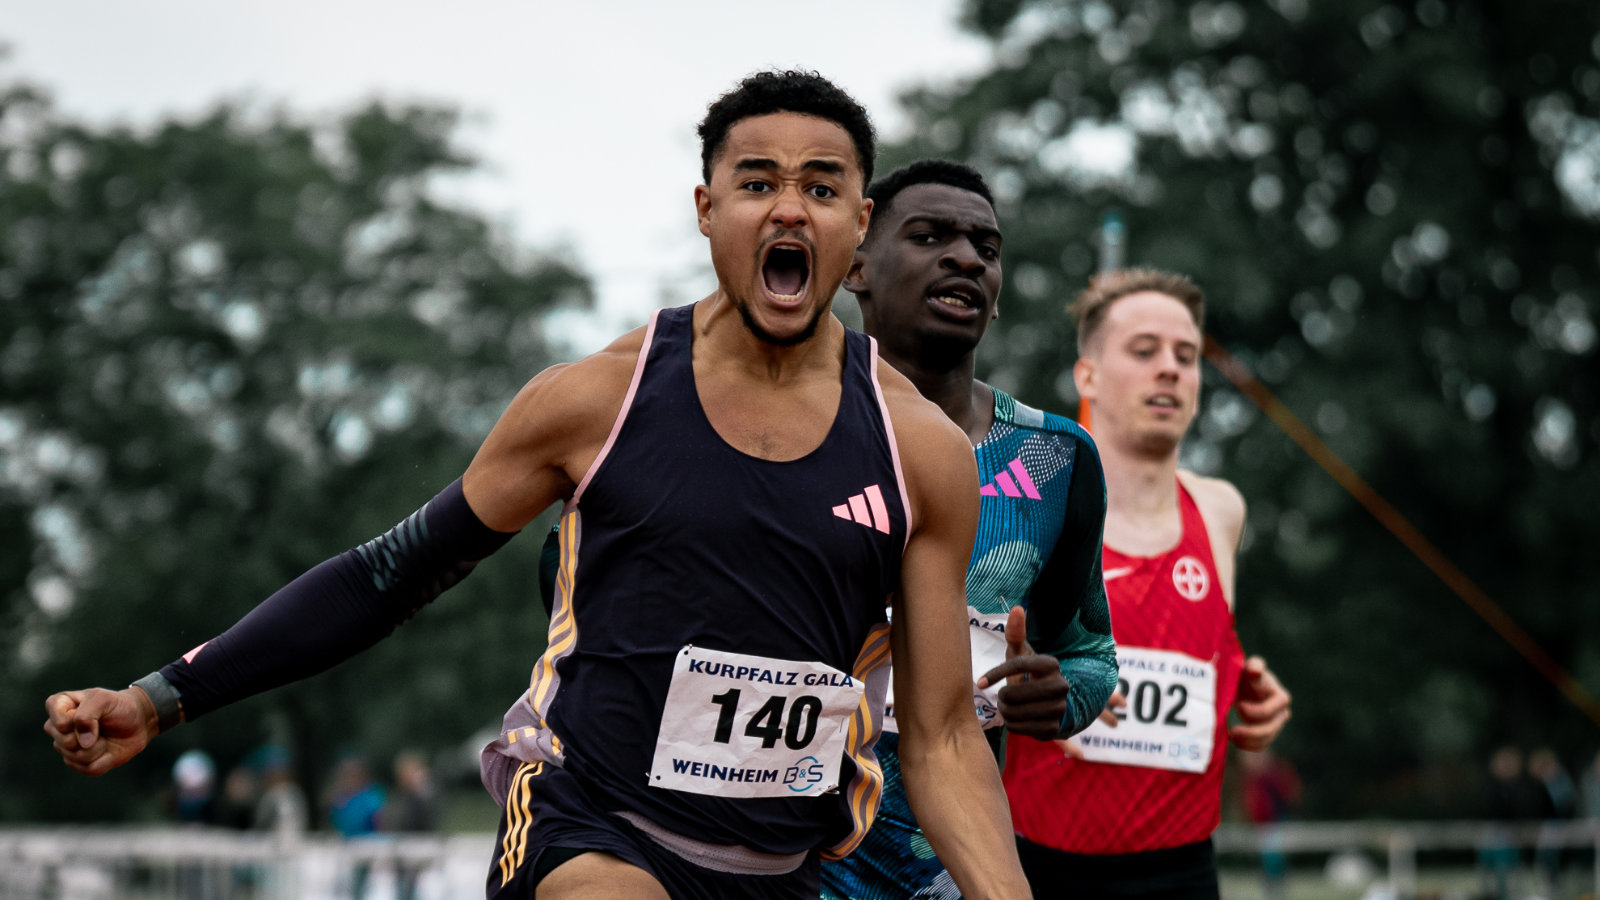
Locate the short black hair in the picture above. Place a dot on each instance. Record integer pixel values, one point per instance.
(923, 171)
(793, 91)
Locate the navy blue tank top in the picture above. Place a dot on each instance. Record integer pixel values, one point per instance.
(676, 539)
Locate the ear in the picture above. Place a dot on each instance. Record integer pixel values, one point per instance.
(1083, 373)
(996, 314)
(702, 208)
(863, 221)
(855, 280)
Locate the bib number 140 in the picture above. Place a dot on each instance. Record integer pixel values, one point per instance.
(769, 722)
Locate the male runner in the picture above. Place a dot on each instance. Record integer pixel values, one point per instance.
(1129, 811)
(928, 280)
(745, 487)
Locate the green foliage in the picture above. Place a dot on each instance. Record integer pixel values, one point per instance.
(229, 349)
(1395, 211)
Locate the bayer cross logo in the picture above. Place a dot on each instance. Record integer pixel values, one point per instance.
(1190, 577)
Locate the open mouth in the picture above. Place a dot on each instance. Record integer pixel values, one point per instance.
(1162, 401)
(785, 273)
(957, 296)
(956, 299)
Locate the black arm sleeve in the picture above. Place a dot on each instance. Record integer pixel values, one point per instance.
(339, 608)
(1068, 616)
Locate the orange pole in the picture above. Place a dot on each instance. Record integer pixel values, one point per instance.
(1401, 528)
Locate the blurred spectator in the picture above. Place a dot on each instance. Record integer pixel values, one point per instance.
(1558, 801)
(282, 807)
(354, 801)
(236, 809)
(1512, 798)
(414, 808)
(194, 782)
(1271, 788)
(1589, 790)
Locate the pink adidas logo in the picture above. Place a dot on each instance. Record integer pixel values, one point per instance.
(865, 508)
(1021, 486)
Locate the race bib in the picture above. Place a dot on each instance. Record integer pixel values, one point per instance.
(987, 632)
(736, 725)
(1170, 717)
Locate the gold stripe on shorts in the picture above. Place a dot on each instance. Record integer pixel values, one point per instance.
(519, 815)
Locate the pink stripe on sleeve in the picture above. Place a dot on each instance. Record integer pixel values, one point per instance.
(888, 428)
(627, 402)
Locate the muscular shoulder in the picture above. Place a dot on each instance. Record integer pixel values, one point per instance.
(569, 395)
(546, 439)
(934, 453)
(1221, 505)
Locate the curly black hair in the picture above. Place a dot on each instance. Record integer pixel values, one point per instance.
(789, 91)
(923, 171)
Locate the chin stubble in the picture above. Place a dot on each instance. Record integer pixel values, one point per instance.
(768, 337)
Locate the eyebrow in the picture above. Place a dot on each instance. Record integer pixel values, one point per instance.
(946, 222)
(759, 163)
(1181, 342)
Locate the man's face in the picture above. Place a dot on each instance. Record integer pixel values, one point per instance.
(1142, 373)
(784, 213)
(929, 283)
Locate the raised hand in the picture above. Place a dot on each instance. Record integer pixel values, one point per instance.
(1034, 699)
(96, 730)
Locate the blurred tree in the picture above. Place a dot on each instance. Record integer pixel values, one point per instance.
(1395, 210)
(230, 348)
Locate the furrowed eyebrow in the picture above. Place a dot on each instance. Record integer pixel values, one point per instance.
(827, 166)
(754, 163)
(952, 225)
(758, 163)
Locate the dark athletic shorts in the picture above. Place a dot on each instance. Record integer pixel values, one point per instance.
(1187, 872)
(551, 819)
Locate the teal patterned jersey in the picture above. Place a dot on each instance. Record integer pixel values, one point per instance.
(1042, 503)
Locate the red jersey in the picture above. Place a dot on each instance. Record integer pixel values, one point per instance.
(1155, 781)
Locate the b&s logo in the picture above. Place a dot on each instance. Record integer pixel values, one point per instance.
(1184, 751)
(806, 772)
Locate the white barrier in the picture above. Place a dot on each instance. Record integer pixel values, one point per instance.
(1400, 842)
(82, 863)
(79, 863)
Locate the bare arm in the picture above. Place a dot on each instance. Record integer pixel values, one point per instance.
(1262, 702)
(949, 773)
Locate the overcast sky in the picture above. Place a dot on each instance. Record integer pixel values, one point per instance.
(583, 113)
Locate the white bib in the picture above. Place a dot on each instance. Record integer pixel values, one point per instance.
(1170, 718)
(736, 725)
(987, 633)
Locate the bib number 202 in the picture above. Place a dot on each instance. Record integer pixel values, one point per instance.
(1145, 702)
